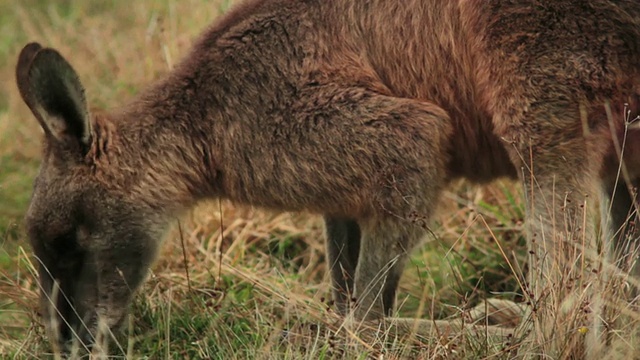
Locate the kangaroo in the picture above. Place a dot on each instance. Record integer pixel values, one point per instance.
(359, 111)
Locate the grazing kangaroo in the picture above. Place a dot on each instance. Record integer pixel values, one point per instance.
(361, 111)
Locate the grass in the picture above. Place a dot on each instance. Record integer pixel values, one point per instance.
(249, 275)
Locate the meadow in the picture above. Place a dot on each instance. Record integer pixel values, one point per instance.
(230, 281)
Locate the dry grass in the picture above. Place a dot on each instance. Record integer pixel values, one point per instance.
(249, 276)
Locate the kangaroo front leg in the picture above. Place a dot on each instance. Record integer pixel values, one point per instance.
(343, 246)
(383, 253)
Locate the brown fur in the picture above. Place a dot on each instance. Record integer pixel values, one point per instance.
(362, 111)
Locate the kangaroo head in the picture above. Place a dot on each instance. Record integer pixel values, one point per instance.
(92, 243)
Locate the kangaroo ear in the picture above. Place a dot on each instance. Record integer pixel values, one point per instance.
(52, 90)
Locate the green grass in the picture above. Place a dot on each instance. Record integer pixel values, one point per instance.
(270, 274)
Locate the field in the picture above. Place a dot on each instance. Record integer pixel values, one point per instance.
(231, 280)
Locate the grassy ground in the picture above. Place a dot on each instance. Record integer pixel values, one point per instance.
(247, 275)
